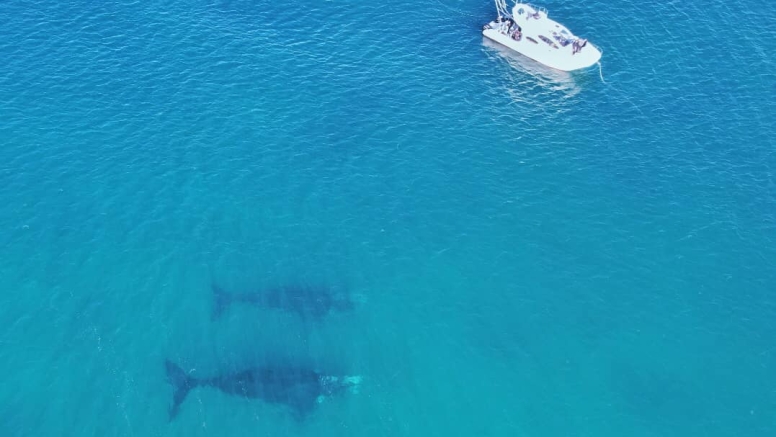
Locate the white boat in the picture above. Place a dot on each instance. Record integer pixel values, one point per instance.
(529, 31)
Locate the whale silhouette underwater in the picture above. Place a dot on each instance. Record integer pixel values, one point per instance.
(306, 301)
(299, 388)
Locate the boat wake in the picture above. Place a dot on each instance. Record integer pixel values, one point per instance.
(548, 79)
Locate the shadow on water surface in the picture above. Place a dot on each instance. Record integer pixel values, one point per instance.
(544, 79)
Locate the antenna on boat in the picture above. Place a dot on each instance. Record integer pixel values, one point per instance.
(502, 9)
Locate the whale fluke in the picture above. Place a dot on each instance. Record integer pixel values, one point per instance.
(181, 383)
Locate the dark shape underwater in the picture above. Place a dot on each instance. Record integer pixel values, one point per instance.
(298, 388)
(313, 302)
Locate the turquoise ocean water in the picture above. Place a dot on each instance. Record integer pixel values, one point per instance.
(540, 254)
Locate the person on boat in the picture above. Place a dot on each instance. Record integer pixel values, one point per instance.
(561, 39)
(576, 47)
(517, 34)
(506, 26)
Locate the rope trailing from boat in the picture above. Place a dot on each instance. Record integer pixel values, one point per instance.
(600, 73)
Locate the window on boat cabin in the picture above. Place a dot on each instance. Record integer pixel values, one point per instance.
(520, 11)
